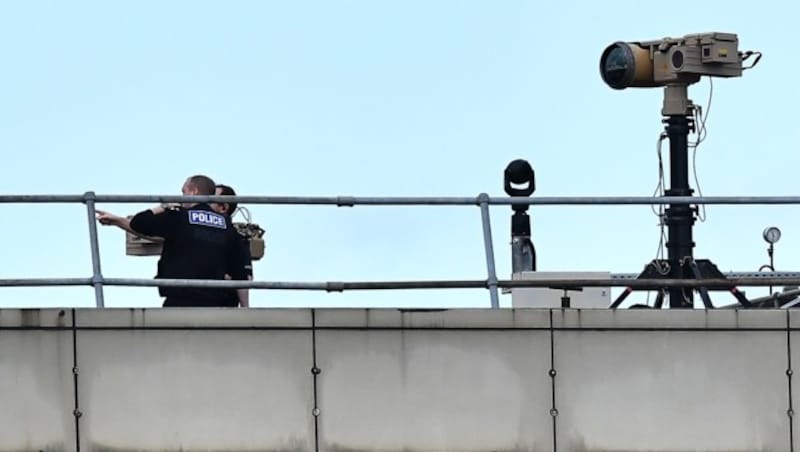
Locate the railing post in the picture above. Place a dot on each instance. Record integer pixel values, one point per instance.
(483, 199)
(97, 276)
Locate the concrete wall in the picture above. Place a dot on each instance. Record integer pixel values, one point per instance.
(386, 380)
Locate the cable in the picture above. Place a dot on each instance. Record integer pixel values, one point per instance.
(245, 213)
(659, 210)
(659, 191)
(747, 55)
(700, 120)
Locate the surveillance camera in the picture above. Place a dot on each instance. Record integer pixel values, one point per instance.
(519, 179)
(648, 64)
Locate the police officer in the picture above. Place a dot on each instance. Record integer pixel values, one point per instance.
(240, 297)
(199, 243)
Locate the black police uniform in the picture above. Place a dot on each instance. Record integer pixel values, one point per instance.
(198, 244)
(247, 260)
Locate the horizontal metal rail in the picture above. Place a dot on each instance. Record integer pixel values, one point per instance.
(41, 282)
(90, 199)
(778, 276)
(339, 286)
(349, 201)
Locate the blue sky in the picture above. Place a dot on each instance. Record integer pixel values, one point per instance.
(377, 98)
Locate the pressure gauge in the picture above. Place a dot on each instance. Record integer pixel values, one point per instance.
(772, 234)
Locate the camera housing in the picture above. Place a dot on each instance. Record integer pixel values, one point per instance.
(519, 178)
(648, 64)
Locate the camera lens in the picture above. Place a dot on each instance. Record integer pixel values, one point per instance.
(677, 59)
(617, 66)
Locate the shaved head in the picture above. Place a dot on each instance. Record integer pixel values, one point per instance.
(200, 185)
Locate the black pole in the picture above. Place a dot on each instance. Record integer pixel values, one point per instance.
(519, 180)
(679, 217)
(523, 254)
(770, 251)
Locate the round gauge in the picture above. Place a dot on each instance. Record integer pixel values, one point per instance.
(772, 234)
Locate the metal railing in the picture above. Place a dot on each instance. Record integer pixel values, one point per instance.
(482, 201)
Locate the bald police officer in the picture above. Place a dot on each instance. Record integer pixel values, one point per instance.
(199, 243)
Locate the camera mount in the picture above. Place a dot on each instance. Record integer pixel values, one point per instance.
(675, 64)
(519, 180)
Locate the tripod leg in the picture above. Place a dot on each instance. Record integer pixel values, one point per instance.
(621, 298)
(706, 299)
(703, 291)
(741, 298)
(660, 299)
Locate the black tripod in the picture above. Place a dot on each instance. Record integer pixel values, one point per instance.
(679, 218)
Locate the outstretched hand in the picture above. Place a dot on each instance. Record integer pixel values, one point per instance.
(106, 218)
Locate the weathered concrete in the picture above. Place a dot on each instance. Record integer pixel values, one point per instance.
(391, 380)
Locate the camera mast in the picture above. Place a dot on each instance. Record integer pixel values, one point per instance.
(674, 64)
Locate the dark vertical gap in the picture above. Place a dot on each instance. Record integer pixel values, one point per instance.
(76, 412)
(789, 373)
(552, 372)
(315, 371)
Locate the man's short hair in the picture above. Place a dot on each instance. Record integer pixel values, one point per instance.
(227, 190)
(204, 185)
